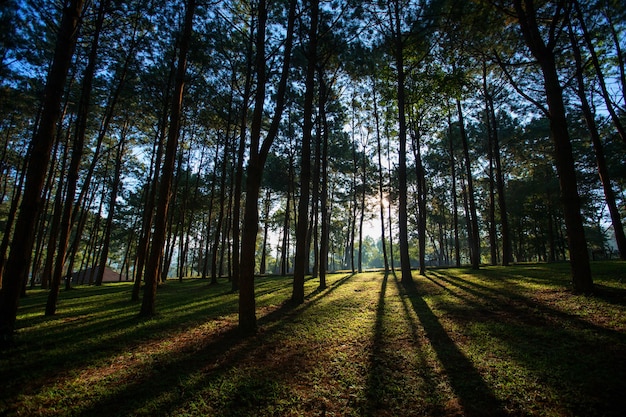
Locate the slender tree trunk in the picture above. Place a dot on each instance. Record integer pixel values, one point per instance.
(256, 163)
(389, 214)
(598, 148)
(205, 267)
(324, 230)
(108, 226)
(219, 232)
(405, 260)
(362, 212)
(474, 238)
(239, 170)
(284, 256)
(381, 195)
(165, 188)
(302, 228)
(493, 238)
(507, 253)
(315, 194)
(421, 202)
(455, 204)
(152, 185)
(619, 54)
(579, 257)
(266, 225)
(24, 235)
(15, 200)
(601, 81)
(55, 223)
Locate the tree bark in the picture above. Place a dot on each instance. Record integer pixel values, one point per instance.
(24, 235)
(108, 226)
(148, 307)
(381, 196)
(601, 81)
(579, 258)
(507, 252)
(256, 163)
(421, 202)
(220, 217)
(55, 223)
(15, 201)
(143, 247)
(302, 255)
(598, 148)
(403, 236)
(324, 229)
(455, 204)
(474, 237)
(239, 169)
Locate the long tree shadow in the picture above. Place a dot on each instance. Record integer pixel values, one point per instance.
(475, 396)
(398, 383)
(207, 361)
(512, 300)
(556, 347)
(377, 378)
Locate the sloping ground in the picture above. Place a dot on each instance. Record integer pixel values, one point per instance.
(496, 342)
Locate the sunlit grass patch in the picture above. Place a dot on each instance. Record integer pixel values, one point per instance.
(498, 341)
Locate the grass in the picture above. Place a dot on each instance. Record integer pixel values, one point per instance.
(498, 341)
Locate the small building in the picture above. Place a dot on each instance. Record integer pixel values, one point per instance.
(88, 276)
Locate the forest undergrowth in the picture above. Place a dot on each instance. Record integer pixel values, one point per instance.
(498, 341)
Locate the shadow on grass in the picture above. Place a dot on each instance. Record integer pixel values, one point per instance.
(399, 384)
(579, 364)
(378, 369)
(475, 396)
(175, 380)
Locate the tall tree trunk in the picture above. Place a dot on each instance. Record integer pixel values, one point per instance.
(493, 238)
(381, 195)
(455, 204)
(284, 255)
(15, 200)
(596, 65)
(108, 226)
(24, 235)
(474, 238)
(256, 163)
(55, 223)
(302, 227)
(362, 211)
(70, 214)
(239, 170)
(493, 234)
(619, 54)
(152, 182)
(598, 148)
(403, 235)
(314, 238)
(389, 214)
(507, 252)
(579, 257)
(219, 232)
(421, 201)
(167, 173)
(324, 230)
(266, 226)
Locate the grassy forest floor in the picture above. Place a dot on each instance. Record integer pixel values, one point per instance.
(499, 341)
